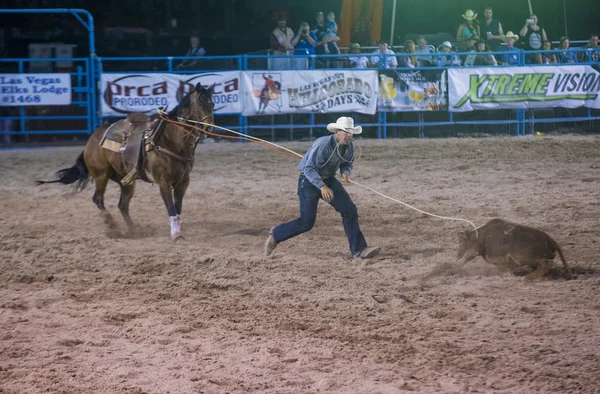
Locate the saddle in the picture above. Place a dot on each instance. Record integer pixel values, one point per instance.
(132, 138)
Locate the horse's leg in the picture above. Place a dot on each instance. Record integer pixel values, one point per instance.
(178, 193)
(98, 198)
(167, 194)
(126, 195)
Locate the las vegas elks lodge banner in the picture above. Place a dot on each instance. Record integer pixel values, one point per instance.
(311, 91)
(124, 93)
(523, 87)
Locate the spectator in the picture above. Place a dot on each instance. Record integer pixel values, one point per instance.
(567, 56)
(592, 51)
(548, 57)
(331, 32)
(305, 41)
(390, 61)
(408, 61)
(194, 50)
(483, 57)
(357, 61)
(492, 30)
(424, 59)
(326, 45)
(281, 38)
(512, 57)
(445, 56)
(534, 35)
(468, 32)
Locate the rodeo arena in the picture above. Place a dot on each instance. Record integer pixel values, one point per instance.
(161, 178)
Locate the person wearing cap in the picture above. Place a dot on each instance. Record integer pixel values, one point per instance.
(512, 57)
(317, 181)
(357, 61)
(445, 56)
(326, 45)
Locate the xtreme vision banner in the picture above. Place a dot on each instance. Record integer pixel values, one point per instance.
(523, 87)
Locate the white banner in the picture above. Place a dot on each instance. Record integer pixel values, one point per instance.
(35, 89)
(287, 92)
(124, 93)
(523, 87)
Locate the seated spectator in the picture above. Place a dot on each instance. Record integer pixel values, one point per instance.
(567, 56)
(281, 38)
(593, 51)
(548, 57)
(445, 56)
(468, 32)
(533, 35)
(512, 55)
(408, 61)
(424, 59)
(483, 57)
(305, 41)
(194, 50)
(357, 61)
(390, 61)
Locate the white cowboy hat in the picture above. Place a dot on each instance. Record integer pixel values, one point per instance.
(510, 34)
(469, 15)
(344, 123)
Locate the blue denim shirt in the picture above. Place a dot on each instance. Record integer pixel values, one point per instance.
(509, 58)
(320, 162)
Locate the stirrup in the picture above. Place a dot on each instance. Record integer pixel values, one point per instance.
(129, 178)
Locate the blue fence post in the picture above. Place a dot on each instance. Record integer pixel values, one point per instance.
(243, 120)
(22, 108)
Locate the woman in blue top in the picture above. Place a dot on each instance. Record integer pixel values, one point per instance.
(305, 41)
(468, 32)
(568, 56)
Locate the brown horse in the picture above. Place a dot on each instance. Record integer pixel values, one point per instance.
(169, 160)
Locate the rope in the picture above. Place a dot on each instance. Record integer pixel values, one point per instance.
(287, 152)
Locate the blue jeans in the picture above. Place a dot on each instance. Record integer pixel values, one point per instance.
(309, 196)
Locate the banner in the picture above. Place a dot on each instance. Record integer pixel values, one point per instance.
(124, 93)
(419, 90)
(523, 87)
(35, 89)
(288, 92)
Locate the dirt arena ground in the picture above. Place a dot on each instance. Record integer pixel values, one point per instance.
(88, 310)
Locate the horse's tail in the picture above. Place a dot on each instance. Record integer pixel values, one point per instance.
(78, 173)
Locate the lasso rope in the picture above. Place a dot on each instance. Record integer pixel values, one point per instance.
(290, 153)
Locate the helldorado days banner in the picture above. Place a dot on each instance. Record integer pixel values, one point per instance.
(523, 87)
(124, 93)
(287, 92)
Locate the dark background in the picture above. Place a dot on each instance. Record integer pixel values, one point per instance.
(229, 27)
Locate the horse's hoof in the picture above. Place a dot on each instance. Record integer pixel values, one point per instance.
(178, 239)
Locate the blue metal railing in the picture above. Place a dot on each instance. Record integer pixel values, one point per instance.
(87, 73)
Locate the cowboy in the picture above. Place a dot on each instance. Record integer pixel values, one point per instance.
(317, 180)
(512, 57)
